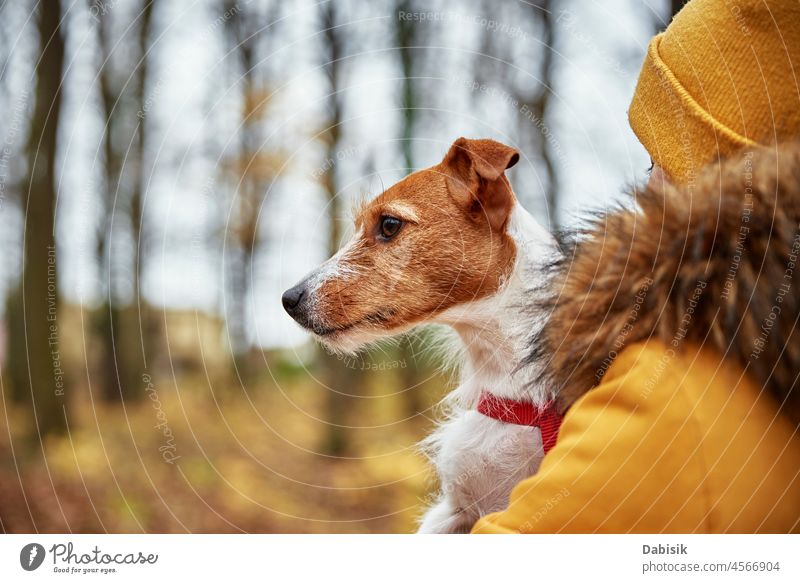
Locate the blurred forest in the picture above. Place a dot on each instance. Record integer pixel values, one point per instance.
(168, 168)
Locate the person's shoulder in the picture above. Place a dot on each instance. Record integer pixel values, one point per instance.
(658, 369)
(655, 386)
(647, 374)
(667, 385)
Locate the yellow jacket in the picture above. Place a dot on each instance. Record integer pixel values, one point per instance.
(672, 333)
(672, 340)
(667, 443)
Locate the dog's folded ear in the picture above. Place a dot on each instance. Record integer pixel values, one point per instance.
(476, 180)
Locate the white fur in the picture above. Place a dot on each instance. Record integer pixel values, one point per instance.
(337, 266)
(479, 459)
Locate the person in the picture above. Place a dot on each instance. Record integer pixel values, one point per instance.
(672, 331)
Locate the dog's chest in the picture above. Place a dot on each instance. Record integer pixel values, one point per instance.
(479, 460)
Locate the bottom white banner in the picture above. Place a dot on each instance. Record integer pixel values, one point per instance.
(355, 558)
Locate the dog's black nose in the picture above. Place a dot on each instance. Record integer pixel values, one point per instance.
(292, 297)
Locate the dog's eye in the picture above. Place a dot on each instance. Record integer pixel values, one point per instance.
(389, 227)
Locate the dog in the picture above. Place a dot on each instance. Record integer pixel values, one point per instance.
(450, 245)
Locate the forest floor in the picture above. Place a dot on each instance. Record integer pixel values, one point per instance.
(188, 459)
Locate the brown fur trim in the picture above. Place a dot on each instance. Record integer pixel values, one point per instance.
(714, 262)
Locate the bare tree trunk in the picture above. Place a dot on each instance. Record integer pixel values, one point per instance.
(334, 373)
(405, 36)
(123, 330)
(107, 313)
(139, 313)
(35, 334)
(542, 104)
(535, 107)
(248, 195)
(252, 171)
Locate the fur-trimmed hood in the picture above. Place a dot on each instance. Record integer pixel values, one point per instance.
(715, 262)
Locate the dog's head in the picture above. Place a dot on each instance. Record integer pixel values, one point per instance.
(434, 240)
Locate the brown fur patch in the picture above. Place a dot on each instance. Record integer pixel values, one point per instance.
(713, 263)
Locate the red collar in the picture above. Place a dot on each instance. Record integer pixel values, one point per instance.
(546, 418)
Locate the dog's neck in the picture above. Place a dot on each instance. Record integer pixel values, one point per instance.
(495, 330)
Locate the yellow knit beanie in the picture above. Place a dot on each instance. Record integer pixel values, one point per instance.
(723, 76)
